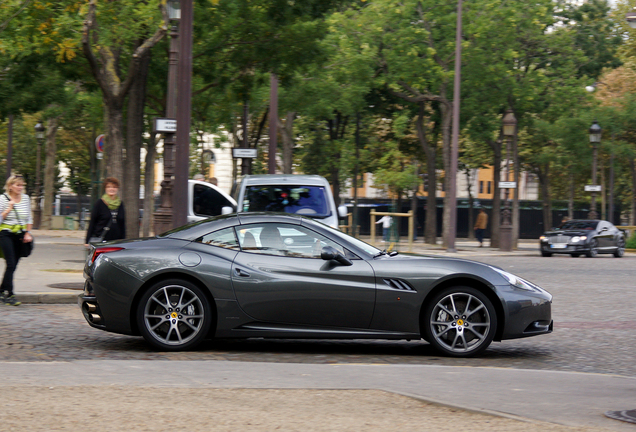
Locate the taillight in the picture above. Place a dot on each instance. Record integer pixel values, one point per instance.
(100, 250)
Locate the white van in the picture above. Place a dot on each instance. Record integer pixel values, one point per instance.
(307, 195)
(206, 200)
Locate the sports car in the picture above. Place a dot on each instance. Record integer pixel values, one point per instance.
(266, 275)
(583, 237)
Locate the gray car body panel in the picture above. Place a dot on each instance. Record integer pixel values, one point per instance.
(379, 297)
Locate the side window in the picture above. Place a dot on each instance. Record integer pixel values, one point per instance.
(224, 238)
(283, 240)
(207, 201)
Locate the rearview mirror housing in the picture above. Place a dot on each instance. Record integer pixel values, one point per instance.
(329, 253)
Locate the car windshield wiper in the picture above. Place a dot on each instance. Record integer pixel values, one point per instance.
(384, 252)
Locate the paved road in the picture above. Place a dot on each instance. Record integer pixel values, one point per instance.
(594, 325)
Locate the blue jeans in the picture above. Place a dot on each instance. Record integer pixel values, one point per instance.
(480, 235)
(385, 233)
(11, 248)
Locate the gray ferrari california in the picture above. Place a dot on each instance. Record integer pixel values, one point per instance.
(273, 275)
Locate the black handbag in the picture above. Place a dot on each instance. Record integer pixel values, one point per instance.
(25, 248)
(100, 239)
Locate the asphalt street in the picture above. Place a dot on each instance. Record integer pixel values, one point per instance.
(570, 377)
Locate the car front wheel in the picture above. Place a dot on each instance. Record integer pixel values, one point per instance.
(620, 248)
(593, 249)
(174, 315)
(460, 322)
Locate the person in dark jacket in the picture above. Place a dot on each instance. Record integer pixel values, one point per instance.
(108, 218)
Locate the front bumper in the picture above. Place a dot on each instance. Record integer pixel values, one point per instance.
(528, 314)
(569, 249)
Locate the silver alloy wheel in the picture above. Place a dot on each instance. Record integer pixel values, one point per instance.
(174, 315)
(460, 322)
(593, 249)
(620, 248)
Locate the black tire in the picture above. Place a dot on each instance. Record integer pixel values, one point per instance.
(575, 255)
(174, 315)
(593, 251)
(546, 254)
(466, 333)
(620, 249)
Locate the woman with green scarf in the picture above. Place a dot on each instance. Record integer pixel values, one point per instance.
(108, 218)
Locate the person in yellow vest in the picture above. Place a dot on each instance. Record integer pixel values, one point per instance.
(480, 226)
(15, 223)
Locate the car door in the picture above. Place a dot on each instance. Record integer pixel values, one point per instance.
(206, 200)
(604, 235)
(279, 277)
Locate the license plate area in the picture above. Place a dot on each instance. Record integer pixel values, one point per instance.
(559, 246)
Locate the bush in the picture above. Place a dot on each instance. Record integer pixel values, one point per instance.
(631, 242)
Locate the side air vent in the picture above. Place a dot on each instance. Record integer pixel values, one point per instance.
(398, 284)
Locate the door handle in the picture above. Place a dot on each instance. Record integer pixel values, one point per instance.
(241, 273)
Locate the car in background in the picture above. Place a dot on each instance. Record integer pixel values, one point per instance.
(275, 275)
(307, 195)
(587, 237)
(206, 200)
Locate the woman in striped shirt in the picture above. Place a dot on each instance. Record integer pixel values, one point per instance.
(15, 224)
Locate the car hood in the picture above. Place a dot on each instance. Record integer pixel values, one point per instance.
(569, 232)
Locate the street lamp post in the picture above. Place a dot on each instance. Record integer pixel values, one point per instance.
(505, 229)
(164, 214)
(37, 211)
(595, 139)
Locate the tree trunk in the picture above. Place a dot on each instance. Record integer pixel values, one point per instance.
(50, 149)
(287, 133)
(430, 222)
(496, 199)
(471, 200)
(113, 143)
(571, 198)
(545, 196)
(149, 186)
(515, 196)
(447, 111)
(632, 215)
(134, 142)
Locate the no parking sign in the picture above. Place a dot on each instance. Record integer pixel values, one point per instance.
(99, 143)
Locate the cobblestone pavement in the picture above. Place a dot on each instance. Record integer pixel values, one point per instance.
(594, 325)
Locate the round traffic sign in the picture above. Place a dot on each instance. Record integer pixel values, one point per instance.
(99, 142)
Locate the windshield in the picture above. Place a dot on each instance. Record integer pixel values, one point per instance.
(304, 200)
(371, 250)
(579, 225)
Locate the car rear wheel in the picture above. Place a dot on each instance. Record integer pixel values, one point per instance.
(460, 322)
(575, 255)
(174, 315)
(620, 249)
(593, 249)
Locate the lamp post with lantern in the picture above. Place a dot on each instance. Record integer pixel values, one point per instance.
(164, 214)
(595, 139)
(509, 124)
(37, 210)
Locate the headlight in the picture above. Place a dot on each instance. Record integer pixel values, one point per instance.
(577, 239)
(543, 238)
(517, 281)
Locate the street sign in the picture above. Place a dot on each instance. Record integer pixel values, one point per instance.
(593, 188)
(99, 142)
(165, 125)
(507, 185)
(244, 153)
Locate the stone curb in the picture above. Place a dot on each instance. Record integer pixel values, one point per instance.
(48, 298)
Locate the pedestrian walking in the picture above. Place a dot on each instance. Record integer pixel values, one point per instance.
(15, 227)
(108, 218)
(480, 226)
(386, 222)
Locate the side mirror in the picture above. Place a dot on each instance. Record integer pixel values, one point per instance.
(227, 210)
(604, 229)
(328, 253)
(342, 211)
